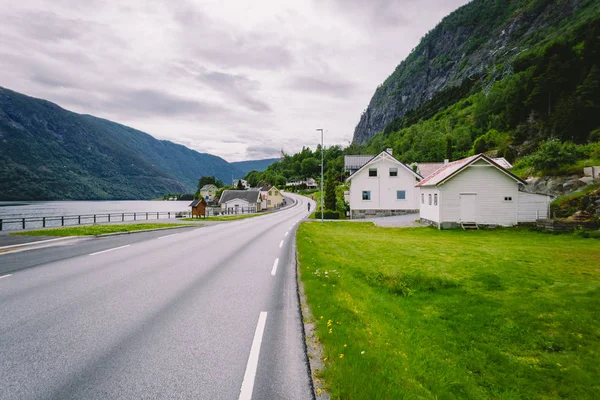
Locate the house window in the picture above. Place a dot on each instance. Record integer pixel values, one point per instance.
(435, 199)
(400, 194)
(508, 198)
(430, 199)
(422, 198)
(393, 171)
(372, 171)
(366, 195)
(268, 202)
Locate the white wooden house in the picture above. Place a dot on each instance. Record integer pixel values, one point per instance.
(477, 190)
(383, 186)
(240, 201)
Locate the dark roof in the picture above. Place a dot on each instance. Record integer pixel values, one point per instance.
(251, 196)
(196, 202)
(383, 154)
(266, 188)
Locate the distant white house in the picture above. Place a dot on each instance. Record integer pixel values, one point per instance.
(383, 186)
(208, 192)
(240, 201)
(244, 183)
(478, 190)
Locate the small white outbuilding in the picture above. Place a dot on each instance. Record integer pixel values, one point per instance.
(477, 190)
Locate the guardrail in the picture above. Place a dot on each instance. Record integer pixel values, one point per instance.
(72, 220)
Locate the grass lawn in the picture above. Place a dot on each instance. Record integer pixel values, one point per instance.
(93, 229)
(418, 313)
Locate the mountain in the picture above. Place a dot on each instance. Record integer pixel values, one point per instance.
(48, 153)
(469, 51)
(254, 165)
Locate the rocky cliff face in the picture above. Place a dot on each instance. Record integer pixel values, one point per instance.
(477, 42)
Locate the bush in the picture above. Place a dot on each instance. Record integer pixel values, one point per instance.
(327, 214)
(553, 154)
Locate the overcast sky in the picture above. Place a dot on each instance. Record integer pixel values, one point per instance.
(238, 79)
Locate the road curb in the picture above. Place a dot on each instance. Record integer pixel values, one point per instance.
(18, 246)
(143, 230)
(313, 350)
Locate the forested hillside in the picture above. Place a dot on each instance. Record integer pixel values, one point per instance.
(48, 153)
(479, 45)
(520, 79)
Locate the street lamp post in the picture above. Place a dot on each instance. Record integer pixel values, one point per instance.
(321, 174)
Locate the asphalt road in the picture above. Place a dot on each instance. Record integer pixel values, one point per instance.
(204, 313)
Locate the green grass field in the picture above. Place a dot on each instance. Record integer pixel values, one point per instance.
(419, 313)
(93, 229)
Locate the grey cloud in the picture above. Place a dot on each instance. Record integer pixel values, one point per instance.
(256, 152)
(52, 81)
(48, 26)
(373, 13)
(211, 41)
(152, 103)
(237, 87)
(330, 87)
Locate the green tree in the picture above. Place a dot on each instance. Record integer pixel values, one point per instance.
(330, 198)
(552, 155)
(310, 167)
(240, 185)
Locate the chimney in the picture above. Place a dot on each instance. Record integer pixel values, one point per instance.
(446, 161)
(390, 151)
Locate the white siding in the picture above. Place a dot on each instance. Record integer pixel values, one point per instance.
(430, 212)
(383, 188)
(533, 206)
(232, 203)
(491, 187)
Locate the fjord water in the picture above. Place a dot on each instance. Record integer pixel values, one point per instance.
(28, 209)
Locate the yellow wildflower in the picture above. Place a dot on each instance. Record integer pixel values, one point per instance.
(342, 355)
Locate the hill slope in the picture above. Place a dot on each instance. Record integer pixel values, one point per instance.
(474, 46)
(254, 165)
(48, 153)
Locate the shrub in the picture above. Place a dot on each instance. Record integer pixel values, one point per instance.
(553, 154)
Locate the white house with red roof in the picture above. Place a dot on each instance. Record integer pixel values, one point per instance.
(478, 190)
(383, 186)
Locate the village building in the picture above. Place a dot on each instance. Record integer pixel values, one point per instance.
(245, 184)
(383, 186)
(209, 192)
(240, 201)
(477, 191)
(271, 197)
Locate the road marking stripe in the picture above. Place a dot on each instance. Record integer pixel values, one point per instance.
(286, 233)
(6, 276)
(248, 382)
(280, 244)
(173, 234)
(106, 251)
(274, 270)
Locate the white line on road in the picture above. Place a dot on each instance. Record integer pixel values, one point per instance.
(106, 251)
(280, 244)
(6, 276)
(173, 234)
(248, 382)
(286, 234)
(274, 270)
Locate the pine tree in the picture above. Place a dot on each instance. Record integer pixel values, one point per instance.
(330, 199)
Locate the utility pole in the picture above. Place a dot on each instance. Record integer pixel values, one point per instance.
(322, 197)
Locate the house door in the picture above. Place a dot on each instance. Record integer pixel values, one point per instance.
(468, 205)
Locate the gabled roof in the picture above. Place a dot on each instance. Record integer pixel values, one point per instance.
(251, 196)
(356, 162)
(450, 170)
(427, 169)
(387, 156)
(209, 186)
(265, 188)
(196, 202)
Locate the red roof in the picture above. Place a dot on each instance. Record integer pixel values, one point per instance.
(448, 170)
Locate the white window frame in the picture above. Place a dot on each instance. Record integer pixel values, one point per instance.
(435, 200)
(422, 198)
(403, 191)
(368, 194)
(393, 170)
(372, 170)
